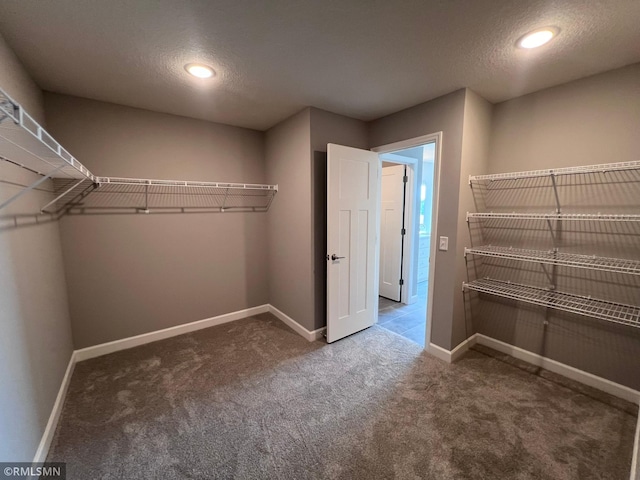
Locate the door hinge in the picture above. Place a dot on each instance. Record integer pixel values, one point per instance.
(405, 179)
(401, 281)
(403, 231)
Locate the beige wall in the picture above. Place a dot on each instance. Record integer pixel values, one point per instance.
(290, 258)
(18, 84)
(35, 345)
(131, 274)
(476, 135)
(589, 121)
(326, 127)
(443, 114)
(593, 120)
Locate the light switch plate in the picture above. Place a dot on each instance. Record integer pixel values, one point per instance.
(444, 244)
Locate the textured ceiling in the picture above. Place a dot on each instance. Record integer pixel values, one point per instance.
(361, 58)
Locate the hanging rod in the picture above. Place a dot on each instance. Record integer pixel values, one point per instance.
(558, 216)
(550, 257)
(600, 309)
(601, 168)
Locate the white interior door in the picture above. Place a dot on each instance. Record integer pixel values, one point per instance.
(391, 221)
(352, 201)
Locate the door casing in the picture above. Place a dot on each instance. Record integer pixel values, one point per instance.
(433, 249)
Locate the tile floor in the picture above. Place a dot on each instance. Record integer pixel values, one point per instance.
(406, 320)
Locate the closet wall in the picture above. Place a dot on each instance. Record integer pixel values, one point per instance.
(289, 220)
(589, 121)
(134, 273)
(35, 345)
(476, 135)
(444, 114)
(295, 156)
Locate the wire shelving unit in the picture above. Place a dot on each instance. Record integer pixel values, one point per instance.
(600, 309)
(119, 195)
(574, 217)
(586, 169)
(551, 257)
(24, 143)
(551, 298)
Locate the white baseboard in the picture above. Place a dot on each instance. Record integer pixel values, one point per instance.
(130, 342)
(50, 429)
(123, 344)
(635, 468)
(554, 366)
(451, 356)
(295, 326)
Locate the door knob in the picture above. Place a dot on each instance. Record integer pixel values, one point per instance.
(335, 257)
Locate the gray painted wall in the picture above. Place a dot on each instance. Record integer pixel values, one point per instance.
(442, 114)
(289, 227)
(476, 135)
(326, 127)
(132, 274)
(35, 345)
(593, 120)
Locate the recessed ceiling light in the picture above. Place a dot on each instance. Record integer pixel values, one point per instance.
(537, 38)
(199, 70)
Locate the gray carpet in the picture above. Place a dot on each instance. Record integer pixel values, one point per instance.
(251, 399)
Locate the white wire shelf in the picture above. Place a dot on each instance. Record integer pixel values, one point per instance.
(600, 309)
(183, 183)
(24, 142)
(590, 262)
(578, 217)
(586, 169)
(121, 195)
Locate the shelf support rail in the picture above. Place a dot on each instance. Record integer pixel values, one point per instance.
(31, 187)
(555, 192)
(224, 201)
(63, 194)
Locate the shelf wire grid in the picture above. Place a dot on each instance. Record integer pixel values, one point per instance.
(585, 169)
(578, 217)
(25, 143)
(148, 196)
(623, 314)
(590, 262)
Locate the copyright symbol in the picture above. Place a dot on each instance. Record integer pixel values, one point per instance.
(7, 471)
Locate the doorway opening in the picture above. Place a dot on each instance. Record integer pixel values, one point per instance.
(407, 207)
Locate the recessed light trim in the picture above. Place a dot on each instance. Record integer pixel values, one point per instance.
(199, 70)
(537, 38)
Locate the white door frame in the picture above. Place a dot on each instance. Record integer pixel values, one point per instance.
(415, 142)
(407, 241)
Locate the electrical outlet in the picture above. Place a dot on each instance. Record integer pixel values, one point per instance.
(444, 244)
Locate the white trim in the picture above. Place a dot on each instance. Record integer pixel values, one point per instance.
(130, 342)
(399, 159)
(439, 352)
(295, 326)
(50, 429)
(403, 144)
(612, 388)
(586, 378)
(451, 356)
(635, 468)
(433, 252)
